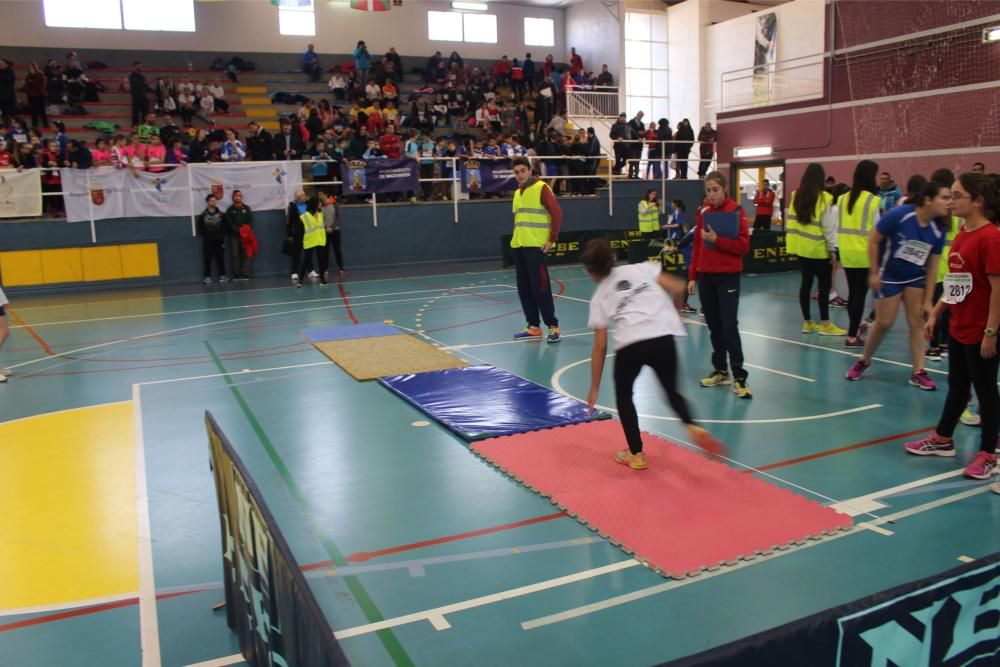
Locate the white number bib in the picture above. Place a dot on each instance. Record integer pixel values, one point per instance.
(957, 286)
(915, 252)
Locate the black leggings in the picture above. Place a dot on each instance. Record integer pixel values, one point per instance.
(940, 336)
(333, 241)
(720, 299)
(322, 259)
(967, 370)
(823, 270)
(660, 354)
(857, 291)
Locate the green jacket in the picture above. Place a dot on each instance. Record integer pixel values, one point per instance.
(236, 218)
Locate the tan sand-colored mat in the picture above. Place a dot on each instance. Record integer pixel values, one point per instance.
(372, 358)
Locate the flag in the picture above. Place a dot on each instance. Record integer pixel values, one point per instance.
(371, 5)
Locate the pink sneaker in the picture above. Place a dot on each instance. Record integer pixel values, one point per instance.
(982, 466)
(932, 445)
(857, 371)
(922, 380)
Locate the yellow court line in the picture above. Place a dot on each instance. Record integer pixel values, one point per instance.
(68, 489)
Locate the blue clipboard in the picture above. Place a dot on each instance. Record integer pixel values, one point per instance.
(722, 223)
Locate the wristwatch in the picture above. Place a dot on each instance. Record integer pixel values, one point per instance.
(991, 332)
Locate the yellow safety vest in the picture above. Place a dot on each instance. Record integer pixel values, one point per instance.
(649, 217)
(532, 222)
(315, 231)
(853, 229)
(956, 224)
(807, 239)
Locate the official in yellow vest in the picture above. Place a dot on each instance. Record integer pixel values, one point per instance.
(811, 233)
(649, 213)
(857, 215)
(537, 218)
(314, 241)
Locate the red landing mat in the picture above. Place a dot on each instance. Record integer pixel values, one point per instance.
(683, 515)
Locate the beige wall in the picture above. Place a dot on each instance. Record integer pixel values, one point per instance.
(251, 26)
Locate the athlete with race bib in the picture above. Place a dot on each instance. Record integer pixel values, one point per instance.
(972, 295)
(904, 250)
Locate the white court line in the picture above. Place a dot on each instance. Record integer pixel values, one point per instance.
(220, 662)
(440, 612)
(777, 372)
(864, 504)
(148, 624)
(61, 606)
(245, 307)
(246, 372)
(662, 588)
(212, 324)
(966, 559)
(557, 385)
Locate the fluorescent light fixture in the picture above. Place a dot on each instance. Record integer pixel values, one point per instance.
(752, 151)
(470, 6)
(991, 34)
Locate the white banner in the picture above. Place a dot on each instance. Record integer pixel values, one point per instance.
(94, 193)
(20, 193)
(106, 192)
(265, 186)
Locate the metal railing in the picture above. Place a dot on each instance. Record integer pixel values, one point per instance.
(782, 82)
(596, 102)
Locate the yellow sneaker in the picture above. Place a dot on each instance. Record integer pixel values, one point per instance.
(633, 461)
(809, 327)
(741, 389)
(831, 329)
(716, 379)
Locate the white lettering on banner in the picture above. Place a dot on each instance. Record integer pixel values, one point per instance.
(20, 193)
(957, 286)
(106, 192)
(914, 252)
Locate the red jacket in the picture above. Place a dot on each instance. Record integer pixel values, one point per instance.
(249, 241)
(727, 254)
(764, 201)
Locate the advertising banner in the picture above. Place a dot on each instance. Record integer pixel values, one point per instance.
(488, 175)
(362, 177)
(20, 193)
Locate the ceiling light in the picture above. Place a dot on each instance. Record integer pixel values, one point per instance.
(752, 151)
(991, 34)
(470, 6)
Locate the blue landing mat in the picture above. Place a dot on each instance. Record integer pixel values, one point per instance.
(350, 332)
(479, 402)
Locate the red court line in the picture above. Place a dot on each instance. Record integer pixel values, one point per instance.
(362, 556)
(839, 450)
(347, 303)
(27, 327)
(85, 611)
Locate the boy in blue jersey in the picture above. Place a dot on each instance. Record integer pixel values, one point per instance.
(904, 250)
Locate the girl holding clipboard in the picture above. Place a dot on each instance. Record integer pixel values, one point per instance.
(721, 239)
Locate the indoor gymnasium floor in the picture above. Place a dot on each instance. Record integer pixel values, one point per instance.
(419, 552)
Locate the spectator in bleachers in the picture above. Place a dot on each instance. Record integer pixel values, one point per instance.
(372, 91)
(605, 78)
(517, 78)
(79, 156)
(501, 72)
(260, 144)
(176, 153)
(138, 88)
(219, 95)
(575, 62)
(549, 66)
(338, 86)
(310, 63)
(7, 149)
(148, 128)
(362, 62)
(18, 132)
(119, 152)
(169, 130)
(60, 136)
(684, 135)
(394, 58)
(34, 88)
(314, 125)
(325, 113)
(25, 157)
(528, 65)
(232, 149)
(238, 215)
(156, 154)
(707, 136)
(165, 91)
(53, 82)
(101, 154)
(389, 90)
(186, 105)
(286, 145)
(135, 152)
(206, 105)
(635, 148)
(50, 160)
(8, 88)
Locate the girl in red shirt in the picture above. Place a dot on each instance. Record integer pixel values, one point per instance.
(972, 296)
(716, 265)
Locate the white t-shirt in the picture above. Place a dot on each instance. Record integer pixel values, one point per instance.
(632, 298)
(3, 298)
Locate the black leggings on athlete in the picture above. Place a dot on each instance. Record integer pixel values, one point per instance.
(857, 291)
(660, 354)
(967, 370)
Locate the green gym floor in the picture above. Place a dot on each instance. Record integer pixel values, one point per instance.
(111, 533)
